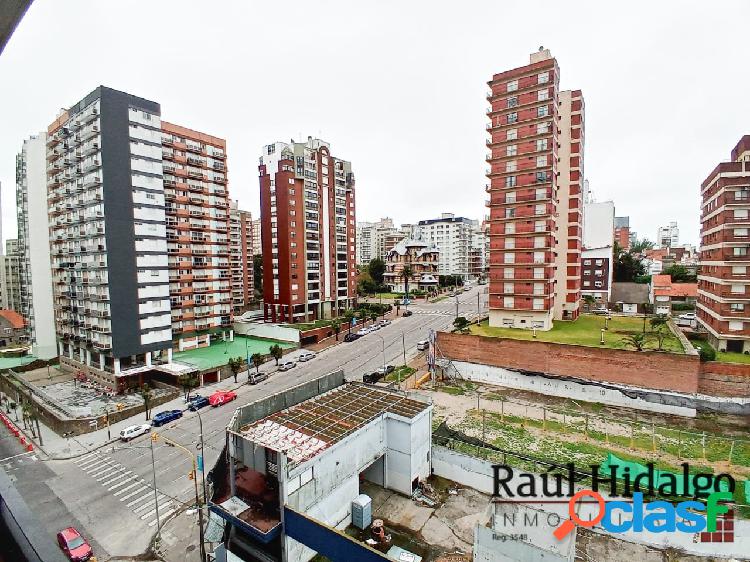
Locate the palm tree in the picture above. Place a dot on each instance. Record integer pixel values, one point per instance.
(276, 352)
(373, 316)
(235, 364)
(257, 359)
(336, 325)
(349, 316)
(638, 341)
(188, 381)
(146, 395)
(406, 273)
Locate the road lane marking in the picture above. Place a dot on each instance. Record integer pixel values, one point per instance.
(84, 458)
(139, 499)
(136, 483)
(153, 511)
(138, 491)
(120, 484)
(162, 516)
(106, 470)
(115, 477)
(93, 464)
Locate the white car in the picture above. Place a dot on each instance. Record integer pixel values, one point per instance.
(384, 323)
(363, 332)
(286, 365)
(133, 431)
(306, 356)
(688, 316)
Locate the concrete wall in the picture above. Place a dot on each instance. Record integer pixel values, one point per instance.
(653, 370)
(266, 331)
(469, 471)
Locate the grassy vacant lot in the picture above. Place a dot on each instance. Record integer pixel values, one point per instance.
(302, 326)
(586, 331)
(730, 357)
(401, 373)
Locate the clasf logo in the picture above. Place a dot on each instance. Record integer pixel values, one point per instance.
(659, 516)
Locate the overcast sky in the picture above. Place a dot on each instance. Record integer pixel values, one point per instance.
(398, 88)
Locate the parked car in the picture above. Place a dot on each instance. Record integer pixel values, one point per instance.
(351, 337)
(74, 545)
(602, 311)
(133, 431)
(165, 417)
(688, 316)
(466, 288)
(385, 323)
(407, 313)
(375, 327)
(255, 378)
(306, 356)
(221, 397)
(423, 345)
(363, 332)
(286, 365)
(387, 370)
(197, 402)
(372, 378)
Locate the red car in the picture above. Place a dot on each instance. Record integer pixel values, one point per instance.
(221, 397)
(74, 545)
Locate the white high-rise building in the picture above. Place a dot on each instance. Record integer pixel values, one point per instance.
(452, 235)
(668, 236)
(376, 239)
(37, 303)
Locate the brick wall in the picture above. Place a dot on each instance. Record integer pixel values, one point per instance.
(646, 369)
(724, 379)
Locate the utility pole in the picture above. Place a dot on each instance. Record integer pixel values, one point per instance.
(154, 437)
(456, 306)
(479, 312)
(403, 343)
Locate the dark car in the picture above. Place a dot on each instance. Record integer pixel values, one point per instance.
(255, 378)
(165, 417)
(74, 545)
(351, 337)
(407, 313)
(372, 378)
(197, 402)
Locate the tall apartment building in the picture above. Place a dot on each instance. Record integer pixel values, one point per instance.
(365, 242)
(308, 231)
(256, 249)
(723, 303)
(596, 258)
(668, 236)
(622, 232)
(376, 239)
(10, 277)
(197, 228)
(241, 257)
(34, 247)
(452, 235)
(536, 181)
(108, 233)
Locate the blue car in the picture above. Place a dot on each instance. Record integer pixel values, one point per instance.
(165, 417)
(197, 402)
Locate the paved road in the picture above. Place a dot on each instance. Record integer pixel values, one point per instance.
(110, 491)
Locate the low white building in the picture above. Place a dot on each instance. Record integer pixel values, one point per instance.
(309, 458)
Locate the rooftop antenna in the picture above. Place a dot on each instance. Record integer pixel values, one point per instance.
(541, 48)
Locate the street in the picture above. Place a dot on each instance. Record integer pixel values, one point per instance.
(108, 494)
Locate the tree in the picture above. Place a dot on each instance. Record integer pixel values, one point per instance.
(258, 272)
(235, 365)
(376, 268)
(276, 352)
(589, 300)
(680, 274)
(406, 273)
(349, 316)
(257, 360)
(659, 328)
(373, 316)
(647, 309)
(640, 246)
(146, 395)
(638, 341)
(461, 324)
(336, 325)
(188, 381)
(658, 320)
(627, 265)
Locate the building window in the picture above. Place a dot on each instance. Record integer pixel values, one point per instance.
(510, 197)
(543, 95)
(510, 181)
(735, 325)
(538, 304)
(508, 273)
(542, 111)
(512, 86)
(539, 226)
(510, 213)
(510, 243)
(737, 307)
(587, 283)
(539, 241)
(512, 117)
(599, 262)
(510, 166)
(509, 257)
(586, 262)
(740, 213)
(740, 232)
(539, 288)
(542, 128)
(507, 287)
(737, 289)
(511, 150)
(739, 270)
(540, 209)
(512, 101)
(543, 77)
(541, 192)
(741, 194)
(538, 273)
(740, 250)
(541, 161)
(508, 302)
(598, 272)
(538, 257)
(541, 144)
(510, 228)
(511, 134)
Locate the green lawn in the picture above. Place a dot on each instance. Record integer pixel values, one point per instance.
(585, 331)
(219, 352)
(401, 373)
(13, 362)
(728, 356)
(302, 326)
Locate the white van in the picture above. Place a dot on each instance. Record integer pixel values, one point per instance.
(423, 345)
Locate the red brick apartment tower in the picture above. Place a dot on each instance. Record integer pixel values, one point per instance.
(308, 232)
(530, 198)
(197, 211)
(724, 272)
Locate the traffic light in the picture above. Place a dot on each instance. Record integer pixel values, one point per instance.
(154, 437)
(191, 475)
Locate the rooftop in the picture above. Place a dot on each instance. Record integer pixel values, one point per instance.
(13, 318)
(306, 429)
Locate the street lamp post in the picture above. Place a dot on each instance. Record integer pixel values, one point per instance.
(203, 455)
(383, 341)
(156, 493)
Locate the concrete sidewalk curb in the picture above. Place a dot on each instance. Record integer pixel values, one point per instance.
(82, 453)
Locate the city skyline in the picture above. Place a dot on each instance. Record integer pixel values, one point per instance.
(405, 101)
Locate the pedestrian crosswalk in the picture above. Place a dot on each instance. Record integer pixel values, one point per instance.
(134, 492)
(430, 311)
